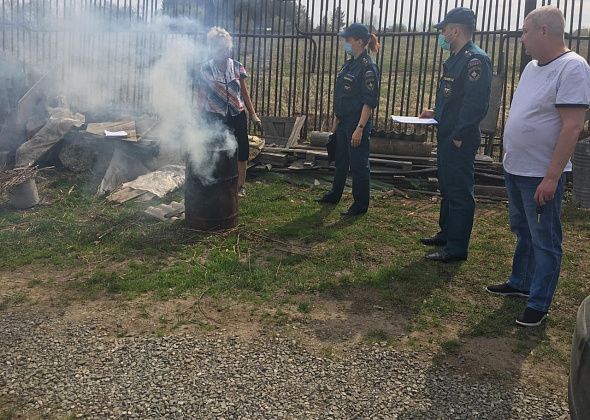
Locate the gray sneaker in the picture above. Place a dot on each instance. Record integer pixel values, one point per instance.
(242, 192)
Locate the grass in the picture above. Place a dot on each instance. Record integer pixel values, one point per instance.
(288, 245)
(13, 300)
(304, 307)
(377, 336)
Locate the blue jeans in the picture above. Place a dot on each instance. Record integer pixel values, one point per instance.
(537, 258)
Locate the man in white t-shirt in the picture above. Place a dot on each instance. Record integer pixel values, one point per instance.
(546, 117)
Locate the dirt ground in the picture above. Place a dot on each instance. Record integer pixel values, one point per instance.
(329, 324)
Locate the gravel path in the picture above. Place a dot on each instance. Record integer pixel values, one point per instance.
(62, 369)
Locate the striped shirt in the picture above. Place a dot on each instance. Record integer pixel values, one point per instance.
(222, 88)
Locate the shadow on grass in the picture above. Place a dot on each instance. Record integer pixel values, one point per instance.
(312, 228)
(495, 347)
(399, 294)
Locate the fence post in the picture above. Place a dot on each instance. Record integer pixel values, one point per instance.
(529, 6)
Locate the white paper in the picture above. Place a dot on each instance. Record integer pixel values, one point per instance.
(115, 133)
(413, 120)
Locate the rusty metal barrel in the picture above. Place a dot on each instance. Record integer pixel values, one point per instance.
(211, 191)
(581, 173)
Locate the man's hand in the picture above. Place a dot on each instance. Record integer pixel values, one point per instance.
(546, 191)
(458, 143)
(356, 137)
(427, 113)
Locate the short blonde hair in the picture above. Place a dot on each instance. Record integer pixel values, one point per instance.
(219, 37)
(549, 16)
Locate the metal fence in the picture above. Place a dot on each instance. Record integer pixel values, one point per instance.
(289, 47)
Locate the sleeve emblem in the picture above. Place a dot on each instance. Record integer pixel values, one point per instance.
(474, 70)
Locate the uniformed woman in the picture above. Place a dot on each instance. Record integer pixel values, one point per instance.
(356, 94)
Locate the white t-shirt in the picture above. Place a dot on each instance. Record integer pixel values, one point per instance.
(534, 123)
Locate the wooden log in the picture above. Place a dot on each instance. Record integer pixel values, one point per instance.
(399, 147)
(381, 145)
(319, 138)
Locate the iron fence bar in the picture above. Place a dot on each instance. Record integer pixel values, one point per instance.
(410, 81)
(388, 100)
(580, 11)
(294, 56)
(380, 56)
(330, 86)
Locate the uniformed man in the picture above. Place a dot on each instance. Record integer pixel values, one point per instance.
(461, 104)
(356, 93)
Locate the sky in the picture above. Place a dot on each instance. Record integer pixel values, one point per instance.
(510, 13)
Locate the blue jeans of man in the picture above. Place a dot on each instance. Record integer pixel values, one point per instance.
(537, 258)
(354, 158)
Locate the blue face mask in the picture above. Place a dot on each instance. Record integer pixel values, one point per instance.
(348, 48)
(443, 43)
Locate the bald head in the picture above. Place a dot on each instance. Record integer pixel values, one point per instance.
(549, 18)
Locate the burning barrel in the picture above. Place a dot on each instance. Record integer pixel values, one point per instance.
(211, 198)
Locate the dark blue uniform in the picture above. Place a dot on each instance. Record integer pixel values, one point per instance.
(461, 104)
(357, 84)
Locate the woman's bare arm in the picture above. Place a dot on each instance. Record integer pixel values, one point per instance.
(248, 100)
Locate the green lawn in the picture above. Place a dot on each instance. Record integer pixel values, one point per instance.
(287, 245)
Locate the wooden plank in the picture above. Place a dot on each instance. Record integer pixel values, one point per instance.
(127, 126)
(125, 194)
(28, 102)
(386, 162)
(491, 191)
(273, 158)
(296, 131)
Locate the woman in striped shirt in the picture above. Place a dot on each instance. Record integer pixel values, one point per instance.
(223, 90)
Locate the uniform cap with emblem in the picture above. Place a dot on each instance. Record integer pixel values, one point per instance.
(459, 15)
(356, 30)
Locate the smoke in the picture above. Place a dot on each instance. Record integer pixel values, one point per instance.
(183, 125)
(111, 66)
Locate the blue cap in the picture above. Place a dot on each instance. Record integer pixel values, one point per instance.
(459, 15)
(356, 30)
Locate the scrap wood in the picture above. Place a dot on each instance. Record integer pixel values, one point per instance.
(125, 194)
(99, 129)
(256, 145)
(296, 131)
(28, 102)
(145, 125)
(159, 183)
(11, 178)
(60, 122)
(277, 159)
(167, 212)
(395, 191)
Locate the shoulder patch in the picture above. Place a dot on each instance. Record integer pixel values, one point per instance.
(370, 80)
(474, 69)
(474, 62)
(468, 53)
